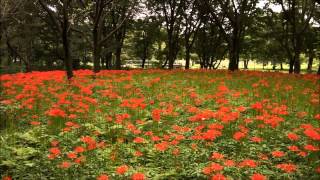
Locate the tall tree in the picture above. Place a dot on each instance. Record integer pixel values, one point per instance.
(59, 13)
(232, 17)
(296, 16)
(191, 23)
(171, 11)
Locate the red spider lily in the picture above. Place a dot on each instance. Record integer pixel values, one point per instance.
(312, 134)
(162, 146)
(218, 177)
(122, 169)
(138, 154)
(310, 147)
(248, 163)
(133, 103)
(293, 148)
(72, 155)
(229, 163)
(56, 112)
(211, 134)
(80, 159)
(139, 140)
(79, 149)
(293, 136)
(103, 177)
(91, 143)
(55, 151)
(277, 154)
(238, 136)
(6, 178)
(138, 176)
(256, 139)
(156, 114)
(35, 123)
(216, 155)
(257, 106)
(287, 167)
(258, 176)
(65, 165)
(54, 143)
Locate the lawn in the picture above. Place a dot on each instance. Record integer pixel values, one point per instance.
(157, 124)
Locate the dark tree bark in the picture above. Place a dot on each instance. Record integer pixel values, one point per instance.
(65, 40)
(63, 29)
(297, 15)
(310, 60)
(187, 58)
(191, 25)
(245, 63)
(108, 61)
(172, 11)
(118, 58)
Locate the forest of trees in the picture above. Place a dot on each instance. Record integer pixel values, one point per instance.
(105, 34)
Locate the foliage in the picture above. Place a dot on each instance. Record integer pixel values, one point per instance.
(154, 124)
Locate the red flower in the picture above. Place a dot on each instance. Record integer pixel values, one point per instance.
(258, 176)
(122, 169)
(35, 123)
(103, 177)
(293, 148)
(277, 153)
(162, 146)
(216, 167)
(79, 149)
(229, 163)
(216, 155)
(138, 140)
(288, 168)
(311, 147)
(55, 151)
(72, 155)
(312, 134)
(256, 139)
(218, 177)
(138, 176)
(238, 135)
(54, 143)
(156, 114)
(65, 165)
(293, 136)
(56, 112)
(138, 153)
(248, 163)
(6, 178)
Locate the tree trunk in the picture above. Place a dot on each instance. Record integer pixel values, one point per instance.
(245, 64)
(318, 69)
(108, 60)
(118, 58)
(96, 51)
(170, 57)
(187, 58)
(144, 56)
(281, 66)
(234, 52)
(66, 44)
(291, 63)
(310, 61)
(297, 64)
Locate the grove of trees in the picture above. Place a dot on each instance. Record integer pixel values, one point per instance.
(107, 34)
